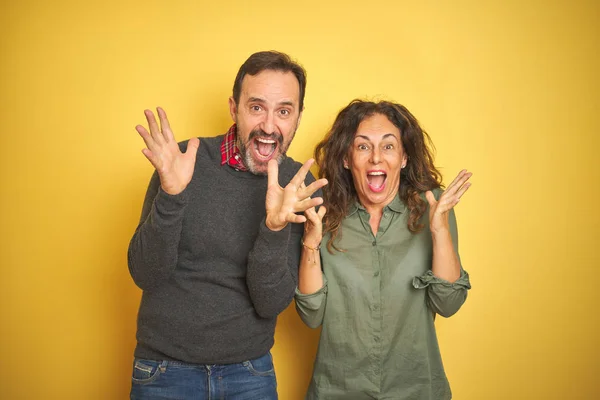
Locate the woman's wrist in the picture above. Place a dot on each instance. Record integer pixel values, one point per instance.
(311, 244)
(313, 251)
(439, 226)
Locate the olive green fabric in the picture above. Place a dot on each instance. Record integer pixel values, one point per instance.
(377, 309)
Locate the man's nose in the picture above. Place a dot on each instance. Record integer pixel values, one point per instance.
(268, 123)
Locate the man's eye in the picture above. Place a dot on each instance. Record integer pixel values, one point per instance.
(388, 146)
(285, 112)
(256, 108)
(363, 147)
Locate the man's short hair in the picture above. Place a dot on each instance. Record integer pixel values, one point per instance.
(269, 60)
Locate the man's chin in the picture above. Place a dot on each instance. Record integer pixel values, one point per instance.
(260, 166)
(258, 169)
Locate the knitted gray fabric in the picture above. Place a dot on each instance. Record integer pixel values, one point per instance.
(214, 277)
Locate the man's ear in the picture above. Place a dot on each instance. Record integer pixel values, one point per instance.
(233, 109)
(299, 119)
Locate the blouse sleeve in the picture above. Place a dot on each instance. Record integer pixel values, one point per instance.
(311, 307)
(443, 297)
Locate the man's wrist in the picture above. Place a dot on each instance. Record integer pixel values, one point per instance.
(173, 190)
(274, 227)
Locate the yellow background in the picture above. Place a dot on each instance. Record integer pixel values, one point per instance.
(508, 89)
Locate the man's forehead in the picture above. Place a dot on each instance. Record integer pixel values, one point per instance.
(271, 86)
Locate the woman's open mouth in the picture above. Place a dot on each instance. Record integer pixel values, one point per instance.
(376, 180)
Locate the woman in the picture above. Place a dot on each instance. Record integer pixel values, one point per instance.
(389, 259)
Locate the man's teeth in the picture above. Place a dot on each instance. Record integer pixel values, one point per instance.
(265, 147)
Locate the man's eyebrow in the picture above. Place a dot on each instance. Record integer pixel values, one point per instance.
(256, 100)
(287, 103)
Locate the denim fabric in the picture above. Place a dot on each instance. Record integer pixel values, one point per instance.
(159, 380)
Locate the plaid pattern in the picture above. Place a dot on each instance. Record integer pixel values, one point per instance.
(230, 153)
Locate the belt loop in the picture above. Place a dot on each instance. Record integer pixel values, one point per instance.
(163, 366)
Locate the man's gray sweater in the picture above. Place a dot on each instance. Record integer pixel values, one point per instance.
(214, 277)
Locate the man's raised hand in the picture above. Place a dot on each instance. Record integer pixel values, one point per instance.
(174, 168)
(282, 204)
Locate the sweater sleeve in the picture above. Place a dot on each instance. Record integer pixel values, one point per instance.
(273, 266)
(152, 253)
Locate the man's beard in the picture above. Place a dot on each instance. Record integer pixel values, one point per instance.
(247, 152)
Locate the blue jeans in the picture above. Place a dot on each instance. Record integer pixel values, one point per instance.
(249, 380)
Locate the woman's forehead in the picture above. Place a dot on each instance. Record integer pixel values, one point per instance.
(377, 127)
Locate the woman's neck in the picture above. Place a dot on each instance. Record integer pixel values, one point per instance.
(375, 214)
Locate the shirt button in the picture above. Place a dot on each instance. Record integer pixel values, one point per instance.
(376, 273)
(374, 243)
(376, 338)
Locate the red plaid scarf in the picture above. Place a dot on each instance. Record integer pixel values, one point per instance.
(230, 153)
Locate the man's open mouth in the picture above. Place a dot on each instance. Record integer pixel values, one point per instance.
(264, 148)
(376, 180)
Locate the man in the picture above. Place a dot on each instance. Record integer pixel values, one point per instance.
(217, 249)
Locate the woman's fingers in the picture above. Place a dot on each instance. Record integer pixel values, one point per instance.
(322, 212)
(460, 179)
(314, 216)
(463, 189)
(451, 196)
(457, 184)
(430, 198)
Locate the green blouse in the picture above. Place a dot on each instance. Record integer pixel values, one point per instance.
(377, 308)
